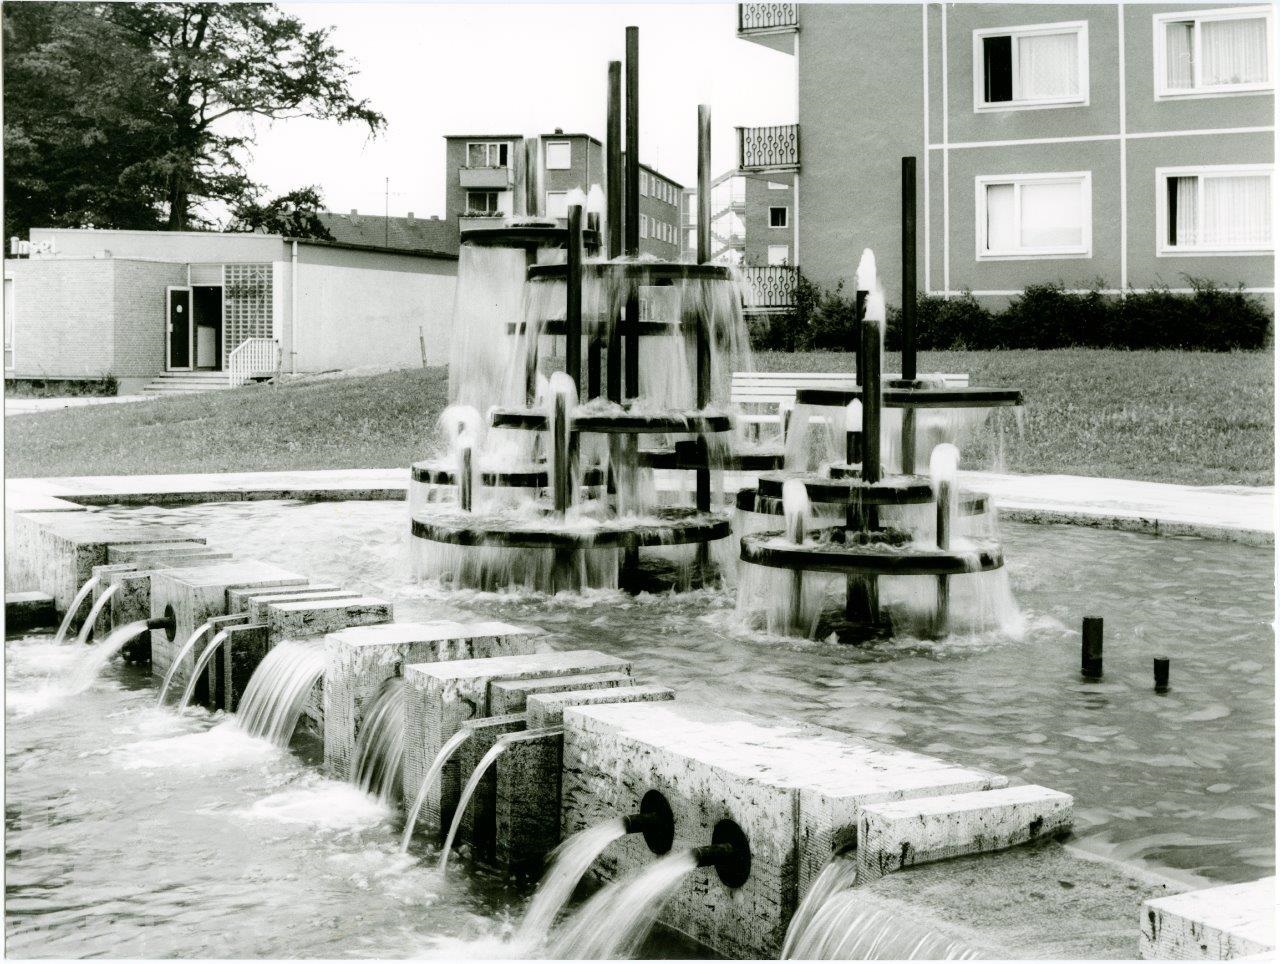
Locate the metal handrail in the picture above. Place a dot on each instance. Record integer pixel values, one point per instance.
(767, 16)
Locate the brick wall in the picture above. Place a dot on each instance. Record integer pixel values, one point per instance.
(63, 318)
(140, 315)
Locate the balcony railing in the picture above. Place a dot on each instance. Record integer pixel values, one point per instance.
(775, 148)
(767, 16)
(485, 177)
(769, 289)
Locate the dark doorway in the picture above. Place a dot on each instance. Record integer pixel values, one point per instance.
(206, 304)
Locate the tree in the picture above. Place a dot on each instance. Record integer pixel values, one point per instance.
(141, 114)
(295, 215)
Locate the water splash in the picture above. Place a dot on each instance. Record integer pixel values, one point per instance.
(499, 747)
(88, 669)
(65, 626)
(205, 655)
(843, 929)
(380, 748)
(99, 604)
(428, 781)
(613, 923)
(187, 647)
(839, 874)
(278, 691)
(568, 863)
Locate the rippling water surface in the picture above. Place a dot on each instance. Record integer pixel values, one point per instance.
(133, 833)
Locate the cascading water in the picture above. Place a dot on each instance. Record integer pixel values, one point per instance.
(489, 295)
(615, 921)
(278, 691)
(844, 929)
(838, 875)
(203, 661)
(88, 669)
(499, 747)
(99, 604)
(182, 654)
(432, 775)
(568, 863)
(65, 626)
(380, 748)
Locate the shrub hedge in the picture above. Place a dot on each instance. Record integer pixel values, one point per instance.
(1210, 318)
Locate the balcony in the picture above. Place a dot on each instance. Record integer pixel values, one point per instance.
(477, 219)
(765, 149)
(768, 24)
(770, 289)
(485, 177)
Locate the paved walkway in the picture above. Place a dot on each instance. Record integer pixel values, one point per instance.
(1228, 512)
(30, 406)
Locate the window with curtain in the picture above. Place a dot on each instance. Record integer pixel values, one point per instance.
(1214, 52)
(487, 154)
(1216, 209)
(1036, 215)
(1031, 66)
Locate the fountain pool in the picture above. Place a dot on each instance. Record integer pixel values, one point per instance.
(155, 835)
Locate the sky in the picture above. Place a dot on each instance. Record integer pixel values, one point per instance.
(517, 68)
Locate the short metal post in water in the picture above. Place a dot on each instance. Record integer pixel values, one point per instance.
(943, 605)
(465, 480)
(1161, 667)
(1091, 647)
(573, 298)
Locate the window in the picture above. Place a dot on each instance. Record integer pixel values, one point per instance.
(1034, 216)
(557, 204)
(775, 186)
(8, 323)
(693, 239)
(1214, 209)
(779, 254)
(1029, 67)
(644, 225)
(777, 217)
(1213, 52)
(488, 154)
(644, 184)
(559, 156)
(482, 202)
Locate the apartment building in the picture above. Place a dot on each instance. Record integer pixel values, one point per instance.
(494, 176)
(1127, 145)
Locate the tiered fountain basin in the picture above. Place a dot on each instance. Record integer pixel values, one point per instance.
(899, 395)
(542, 528)
(532, 236)
(840, 550)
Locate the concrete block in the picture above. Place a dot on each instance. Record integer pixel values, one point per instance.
(307, 619)
(1214, 924)
(28, 610)
(795, 790)
(440, 697)
(194, 594)
(899, 834)
(362, 658)
(211, 691)
(239, 599)
(245, 648)
(547, 709)
(54, 552)
(104, 573)
(150, 550)
(132, 598)
(511, 696)
(256, 607)
(477, 826)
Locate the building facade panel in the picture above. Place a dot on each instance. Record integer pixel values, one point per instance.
(138, 316)
(63, 323)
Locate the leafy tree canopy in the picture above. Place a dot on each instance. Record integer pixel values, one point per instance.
(295, 215)
(141, 115)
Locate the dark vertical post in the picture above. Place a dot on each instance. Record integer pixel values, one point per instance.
(859, 309)
(613, 219)
(631, 204)
(573, 299)
(532, 201)
(871, 395)
(465, 481)
(1091, 647)
(560, 469)
(702, 336)
(943, 517)
(1161, 667)
(909, 269)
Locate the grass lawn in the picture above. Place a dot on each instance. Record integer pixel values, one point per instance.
(1199, 418)
(1190, 417)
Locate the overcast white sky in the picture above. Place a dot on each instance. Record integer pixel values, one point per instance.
(436, 69)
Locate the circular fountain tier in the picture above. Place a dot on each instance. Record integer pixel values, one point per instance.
(664, 527)
(750, 500)
(761, 460)
(891, 490)
(519, 477)
(637, 272)
(823, 552)
(532, 236)
(619, 422)
(961, 397)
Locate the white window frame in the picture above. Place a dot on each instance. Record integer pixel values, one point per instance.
(982, 182)
(1165, 250)
(777, 186)
(497, 200)
(786, 217)
(11, 315)
(547, 202)
(568, 165)
(1079, 27)
(487, 145)
(644, 226)
(1160, 36)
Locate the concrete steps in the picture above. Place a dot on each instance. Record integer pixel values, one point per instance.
(186, 383)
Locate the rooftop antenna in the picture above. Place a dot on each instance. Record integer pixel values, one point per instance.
(386, 212)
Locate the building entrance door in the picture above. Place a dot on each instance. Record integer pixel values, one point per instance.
(179, 326)
(206, 311)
